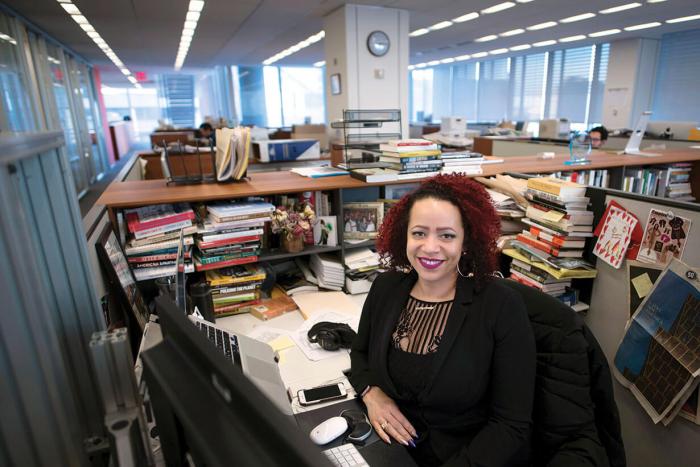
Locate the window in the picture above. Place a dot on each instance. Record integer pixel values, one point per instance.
(571, 72)
(422, 95)
(302, 95)
(15, 99)
(464, 90)
(595, 114)
(676, 95)
(527, 94)
(141, 105)
(493, 90)
(178, 93)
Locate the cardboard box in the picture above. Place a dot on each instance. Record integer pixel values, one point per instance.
(315, 131)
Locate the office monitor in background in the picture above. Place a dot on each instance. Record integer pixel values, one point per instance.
(632, 147)
(207, 410)
(671, 130)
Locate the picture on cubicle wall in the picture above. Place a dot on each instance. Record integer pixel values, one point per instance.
(665, 235)
(362, 220)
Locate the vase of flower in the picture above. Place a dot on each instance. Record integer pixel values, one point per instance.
(293, 243)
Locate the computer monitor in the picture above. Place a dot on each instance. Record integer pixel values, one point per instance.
(207, 410)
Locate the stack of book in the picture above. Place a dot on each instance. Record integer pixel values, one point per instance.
(557, 225)
(411, 158)
(676, 182)
(153, 238)
(235, 289)
(328, 271)
(231, 234)
(361, 267)
(465, 162)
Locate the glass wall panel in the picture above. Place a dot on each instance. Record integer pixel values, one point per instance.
(422, 91)
(571, 74)
(676, 96)
(302, 95)
(464, 90)
(15, 105)
(527, 93)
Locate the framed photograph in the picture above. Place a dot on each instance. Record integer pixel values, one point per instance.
(120, 281)
(335, 84)
(362, 220)
(326, 231)
(396, 192)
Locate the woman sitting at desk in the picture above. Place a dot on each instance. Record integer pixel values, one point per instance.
(445, 357)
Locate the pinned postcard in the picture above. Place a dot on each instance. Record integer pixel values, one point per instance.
(664, 237)
(615, 236)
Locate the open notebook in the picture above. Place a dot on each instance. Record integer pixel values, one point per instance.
(232, 152)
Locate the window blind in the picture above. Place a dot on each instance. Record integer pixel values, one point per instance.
(676, 95)
(178, 92)
(492, 104)
(464, 90)
(600, 74)
(570, 80)
(527, 77)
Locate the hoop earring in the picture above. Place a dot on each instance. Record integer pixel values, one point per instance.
(458, 271)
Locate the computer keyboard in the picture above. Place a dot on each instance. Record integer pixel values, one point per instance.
(346, 455)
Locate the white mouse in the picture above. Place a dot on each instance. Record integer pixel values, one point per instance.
(328, 430)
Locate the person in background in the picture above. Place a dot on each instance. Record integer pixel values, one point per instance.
(444, 358)
(206, 131)
(598, 136)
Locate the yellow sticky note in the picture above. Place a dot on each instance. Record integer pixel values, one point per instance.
(642, 284)
(280, 343)
(553, 216)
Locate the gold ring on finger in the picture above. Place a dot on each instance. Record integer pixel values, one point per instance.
(384, 425)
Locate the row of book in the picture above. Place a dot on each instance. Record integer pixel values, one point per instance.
(671, 181)
(595, 177)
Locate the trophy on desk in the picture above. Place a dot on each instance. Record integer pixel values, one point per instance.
(579, 148)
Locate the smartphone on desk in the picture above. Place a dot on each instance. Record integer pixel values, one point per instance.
(322, 394)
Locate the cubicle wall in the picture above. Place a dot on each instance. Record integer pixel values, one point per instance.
(646, 444)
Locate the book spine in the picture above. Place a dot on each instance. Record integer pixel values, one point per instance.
(542, 184)
(139, 225)
(151, 258)
(219, 258)
(231, 235)
(162, 229)
(223, 264)
(228, 241)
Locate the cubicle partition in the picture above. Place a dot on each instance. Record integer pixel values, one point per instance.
(646, 444)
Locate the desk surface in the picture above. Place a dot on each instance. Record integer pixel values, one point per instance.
(145, 192)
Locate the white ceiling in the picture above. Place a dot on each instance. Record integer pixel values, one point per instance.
(145, 33)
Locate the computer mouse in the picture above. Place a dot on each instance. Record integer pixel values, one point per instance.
(328, 430)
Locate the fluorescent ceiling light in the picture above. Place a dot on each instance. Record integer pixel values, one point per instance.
(578, 37)
(498, 51)
(80, 19)
(125, 72)
(615, 9)
(70, 8)
(295, 48)
(515, 48)
(486, 38)
(607, 32)
(537, 27)
(655, 1)
(440, 25)
(637, 27)
(524, 1)
(512, 32)
(463, 57)
(87, 27)
(447, 60)
(682, 19)
(433, 62)
(196, 5)
(572, 19)
(544, 43)
(479, 54)
(190, 25)
(194, 12)
(419, 32)
(421, 65)
(467, 17)
(320, 64)
(192, 16)
(497, 8)
(410, 67)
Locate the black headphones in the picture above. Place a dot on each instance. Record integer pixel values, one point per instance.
(331, 336)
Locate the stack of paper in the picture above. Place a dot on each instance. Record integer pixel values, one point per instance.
(328, 270)
(362, 266)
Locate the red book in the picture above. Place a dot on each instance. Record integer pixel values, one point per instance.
(150, 258)
(150, 217)
(227, 241)
(559, 241)
(222, 264)
(548, 248)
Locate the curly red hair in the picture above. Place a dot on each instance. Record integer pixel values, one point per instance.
(479, 219)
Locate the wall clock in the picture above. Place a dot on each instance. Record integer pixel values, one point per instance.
(378, 43)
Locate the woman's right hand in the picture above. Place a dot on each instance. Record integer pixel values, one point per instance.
(387, 419)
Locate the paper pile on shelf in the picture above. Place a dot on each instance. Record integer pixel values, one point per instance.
(362, 266)
(328, 270)
(465, 162)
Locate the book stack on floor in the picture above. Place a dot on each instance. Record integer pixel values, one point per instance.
(235, 289)
(328, 271)
(152, 242)
(411, 158)
(361, 267)
(465, 162)
(231, 234)
(550, 248)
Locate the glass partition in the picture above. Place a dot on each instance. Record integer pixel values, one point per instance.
(16, 114)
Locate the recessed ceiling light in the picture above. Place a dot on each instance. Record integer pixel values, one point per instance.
(196, 5)
(419, 32)
(544, 43)
(479, 54)
(70, 8)
(192, 16)
(515, 48)
(572, 19)
(498, 51)
(486, 38)
(463, 57)
(655, 1)
(512, 32)
(497, 8)
(682, 19)
(447, 60)
(295, 48)
(537, 27)
(421, 65)
(87, 27)
(578, 37)
(80, 19)
(607, 32)
(320, 64)
(440, 25)
(467, 17)
(524, 1)
(642, 26)
(433, 62)
(615, 9)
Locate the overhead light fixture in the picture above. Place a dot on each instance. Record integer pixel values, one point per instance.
(537, 27)
(467, 17)
(655, 1)
(497, 8)
(578, 37)
(490, 37)
(194, 12)
(419, 32)
(516, 48)
(410, 67)
(524, 1)
(607, 32)
(637, 27)
(447, 60)
(192, 16)
(433, 62)
(440, 25)
(196, 5)
(421, 65)
(615, 9)
(480, 54)
(320, 64)
(461, 58)
(498, 51)
(573, 19)
(544, 43)
(85, 25)
(512, 32)
(683, 19)
(295, 48)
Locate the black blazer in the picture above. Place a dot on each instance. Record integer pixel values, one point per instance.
(477, 404)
